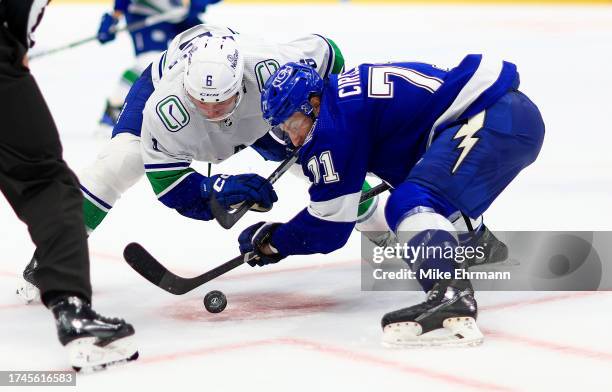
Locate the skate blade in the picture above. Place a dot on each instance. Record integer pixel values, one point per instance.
(456, 332)
(86, 357)
(27, 292)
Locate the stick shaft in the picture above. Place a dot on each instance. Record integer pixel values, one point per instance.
(228, 219)
(151, 269)
(149, 21)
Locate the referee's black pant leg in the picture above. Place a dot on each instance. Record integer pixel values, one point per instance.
(40, 187)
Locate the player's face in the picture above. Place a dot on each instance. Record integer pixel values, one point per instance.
(297, 126)
(216, 111)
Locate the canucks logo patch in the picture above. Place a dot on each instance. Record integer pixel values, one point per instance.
(263, 71)
(172, 113)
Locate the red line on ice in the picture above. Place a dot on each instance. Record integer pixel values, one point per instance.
(536, 301)
(370, 359)
(338, 352)
(14, 306)
(107, 256)
(204, 351)
(542, 344)
(546, 345)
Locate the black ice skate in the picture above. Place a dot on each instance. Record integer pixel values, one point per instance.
(446, 318)
(93, 341)
(27, 288)
(495, 251)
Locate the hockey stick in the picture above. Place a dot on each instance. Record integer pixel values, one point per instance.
(227, 219)
(149, 21)
(373, 192)
(148, 267)
(152, 270)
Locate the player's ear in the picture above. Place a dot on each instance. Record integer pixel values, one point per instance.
(315, 101)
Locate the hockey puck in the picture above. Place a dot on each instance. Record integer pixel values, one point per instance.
(215, 301)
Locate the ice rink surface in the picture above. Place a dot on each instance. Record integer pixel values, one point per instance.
(304, 324)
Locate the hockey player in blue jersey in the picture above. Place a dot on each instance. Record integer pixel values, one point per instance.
(445, 140)
(226, 71)
(148, 42)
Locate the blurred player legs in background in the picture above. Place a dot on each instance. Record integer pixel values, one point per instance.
(147, 43)
(44, 194)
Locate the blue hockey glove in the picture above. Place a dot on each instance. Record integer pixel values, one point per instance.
(107, 23)
(232, 191)
(254, 238)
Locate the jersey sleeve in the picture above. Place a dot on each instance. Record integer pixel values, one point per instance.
(174, 182)
(320, 53)
(337, 171)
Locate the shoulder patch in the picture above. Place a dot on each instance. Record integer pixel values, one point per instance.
(263, 71)
(172, 113)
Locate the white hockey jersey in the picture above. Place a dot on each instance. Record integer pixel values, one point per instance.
(174, 132)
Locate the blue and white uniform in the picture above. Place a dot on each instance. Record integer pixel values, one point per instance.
(174, 134)
(445, 139)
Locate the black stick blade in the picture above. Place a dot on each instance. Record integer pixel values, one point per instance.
(152, 270)
(227, 219)
(142, 262)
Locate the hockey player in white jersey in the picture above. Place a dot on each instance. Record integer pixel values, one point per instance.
(205, 106)
(202, 100)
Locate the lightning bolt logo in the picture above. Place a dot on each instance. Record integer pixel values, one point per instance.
(467, 132)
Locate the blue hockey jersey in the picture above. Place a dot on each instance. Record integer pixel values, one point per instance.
(380, 119)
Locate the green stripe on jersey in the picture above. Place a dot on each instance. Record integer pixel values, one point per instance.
(92, 214)
(130, 76)
(164, 181)
(338, 65)
(365, 206)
